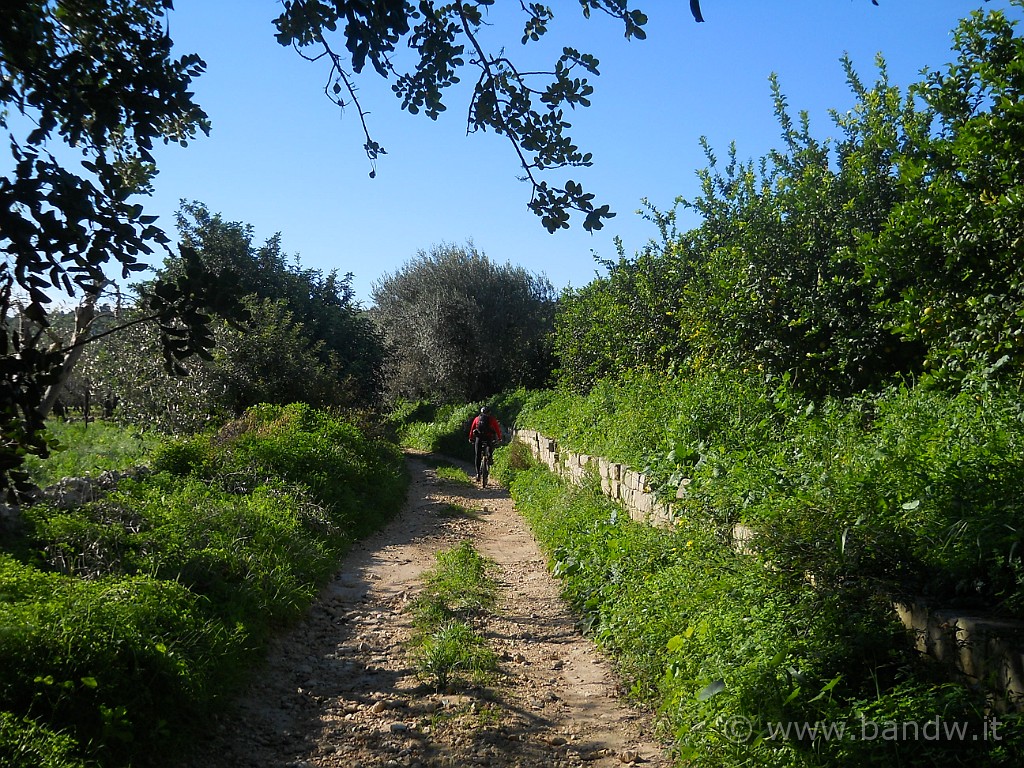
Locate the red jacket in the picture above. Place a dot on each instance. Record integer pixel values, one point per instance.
(495, 426)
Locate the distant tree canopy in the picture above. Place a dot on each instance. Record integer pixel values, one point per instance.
(324, 303)
(895, 250)
(461, 328)
(306, 340)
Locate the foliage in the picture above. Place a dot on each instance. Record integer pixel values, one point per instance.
(444, 429)
(462, 328)
(61, 228)
(453, 475)
(341, 335)
(31, 745)
(457, 592)
(451, 650)
(768, 281)
(458, 585)
(624, 321)
(910, 490)
(527, 106)
(846, 263)
(947, 267)
(305, 340)
(128, 617)
(104, 658)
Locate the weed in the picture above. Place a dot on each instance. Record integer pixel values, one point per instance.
(454, 474)
(452, 651)
(456, 592)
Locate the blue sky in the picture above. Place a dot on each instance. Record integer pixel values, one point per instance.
(281, 158)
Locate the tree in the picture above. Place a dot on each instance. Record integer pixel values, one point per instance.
(626, 320)
(461, 328)
(272, 359)
(526, 107)
(949, 264)
(323, 304)
(305, 339)
(97, 75)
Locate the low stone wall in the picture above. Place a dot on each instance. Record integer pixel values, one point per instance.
(982, 650)
(71, 492)
(618, 481)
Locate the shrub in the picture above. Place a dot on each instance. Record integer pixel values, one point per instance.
(117, 662)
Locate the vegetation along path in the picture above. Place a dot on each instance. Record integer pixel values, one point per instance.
(341, 689)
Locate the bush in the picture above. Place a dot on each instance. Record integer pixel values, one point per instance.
(113, 661)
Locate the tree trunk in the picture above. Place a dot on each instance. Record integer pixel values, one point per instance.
(85, 313)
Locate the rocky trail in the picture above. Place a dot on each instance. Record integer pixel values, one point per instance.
(340, 690)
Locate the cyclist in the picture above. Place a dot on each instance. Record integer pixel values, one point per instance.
(484, 428)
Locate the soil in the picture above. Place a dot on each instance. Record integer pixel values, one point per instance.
(340, 690)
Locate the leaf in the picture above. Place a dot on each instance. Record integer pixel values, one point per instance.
(711, 689)
(828, 687)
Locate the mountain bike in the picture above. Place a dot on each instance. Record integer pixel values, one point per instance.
(486, 458)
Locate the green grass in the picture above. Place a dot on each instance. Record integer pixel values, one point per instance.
(89, 449)
(454, 474)
(451, 652)
(457, 592)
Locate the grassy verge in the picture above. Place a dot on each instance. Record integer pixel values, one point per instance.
(913, 490)
(746, 665)
(125, 621)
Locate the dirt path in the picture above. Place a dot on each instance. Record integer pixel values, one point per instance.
(340, 691)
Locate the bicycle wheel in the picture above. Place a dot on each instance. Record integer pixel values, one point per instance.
(485, 465)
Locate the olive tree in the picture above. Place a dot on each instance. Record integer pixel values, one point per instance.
(460, 327)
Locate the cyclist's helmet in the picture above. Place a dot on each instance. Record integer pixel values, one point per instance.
(485, 410)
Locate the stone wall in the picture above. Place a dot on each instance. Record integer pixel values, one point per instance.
(618, 481)
(981, 650)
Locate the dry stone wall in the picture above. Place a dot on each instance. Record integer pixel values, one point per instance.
(618, 481)
(982, 650)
